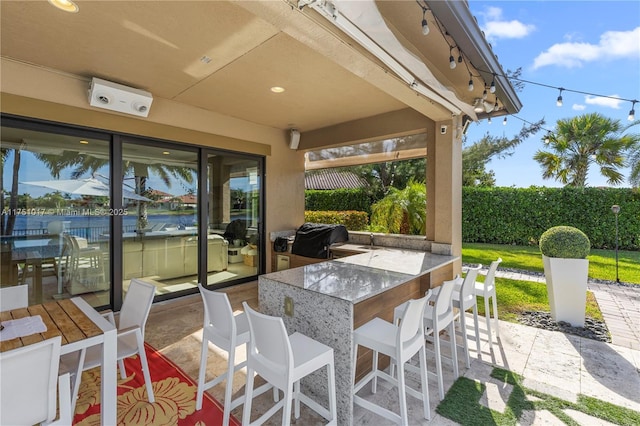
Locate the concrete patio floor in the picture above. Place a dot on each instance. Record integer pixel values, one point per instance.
(551, 362)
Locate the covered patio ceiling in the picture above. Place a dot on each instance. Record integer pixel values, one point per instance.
(225, 56)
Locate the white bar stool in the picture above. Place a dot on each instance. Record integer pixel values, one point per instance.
(227, 332)
(438, 317)
(487, 290)
(399, 342)
(464, 297)
(283, 361)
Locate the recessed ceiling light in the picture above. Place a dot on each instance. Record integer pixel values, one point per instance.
(66, 5)
(165, 153)
(277, 89)
(84, 142)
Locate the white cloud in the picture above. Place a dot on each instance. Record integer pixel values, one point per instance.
(612, 45)
(605, 102)
(578, 107)
(496, 27)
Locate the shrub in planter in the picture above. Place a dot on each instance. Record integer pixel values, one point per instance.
(566, 242)
(566, 269)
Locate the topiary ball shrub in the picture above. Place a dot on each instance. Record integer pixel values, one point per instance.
(565, 242)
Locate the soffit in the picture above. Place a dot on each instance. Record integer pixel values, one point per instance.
(315, 88)
(157, 46)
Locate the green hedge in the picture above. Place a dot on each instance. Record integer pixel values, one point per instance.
(520, 215)
(339, 200)
(352, 220)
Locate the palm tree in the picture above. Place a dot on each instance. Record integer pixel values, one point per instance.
(402, 211)
(581, 141)
(634, 158)
(7, 228)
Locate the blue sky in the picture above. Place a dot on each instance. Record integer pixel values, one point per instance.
(588, 46)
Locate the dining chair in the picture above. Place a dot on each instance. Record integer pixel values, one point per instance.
(130, 326)
(283, 361)
(85, 271)
(14, 297)
(226, 331)
(30, 386)
(401, 342)
(487, 291)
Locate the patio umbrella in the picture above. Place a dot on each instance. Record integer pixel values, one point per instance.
(87, 186)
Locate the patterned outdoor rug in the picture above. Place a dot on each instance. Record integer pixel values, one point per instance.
(175, 396)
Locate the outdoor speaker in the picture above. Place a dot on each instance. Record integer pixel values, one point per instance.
(294, 138)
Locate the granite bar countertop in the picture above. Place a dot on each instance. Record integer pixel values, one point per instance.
(361, 276)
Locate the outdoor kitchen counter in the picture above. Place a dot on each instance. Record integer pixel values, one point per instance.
(328, 300)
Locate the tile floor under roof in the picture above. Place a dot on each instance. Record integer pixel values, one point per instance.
(552, 362)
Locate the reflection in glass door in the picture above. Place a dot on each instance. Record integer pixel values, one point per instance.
(55, 223)
(234, 188)
(160, 229)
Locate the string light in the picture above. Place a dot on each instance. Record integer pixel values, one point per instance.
(559, 100)
(504, 122)
(425, 26)
(489, 120)
(492, 86)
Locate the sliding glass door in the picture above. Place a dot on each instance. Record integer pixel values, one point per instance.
(160, 227)
(55, 205)
(234, 210)
(84, 212)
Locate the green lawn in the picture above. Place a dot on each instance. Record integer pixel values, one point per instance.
(602, 263)
(516, 296)
(462, 404)
(519, 296)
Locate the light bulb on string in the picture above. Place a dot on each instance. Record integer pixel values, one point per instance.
(484, 94)
(452, 62)
(559, 100)
(504, 122)
(425, 26)
(632, 113)
(470, 83)
(492, 88)
(489, 120)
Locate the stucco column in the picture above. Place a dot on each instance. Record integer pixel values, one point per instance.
(444, 187)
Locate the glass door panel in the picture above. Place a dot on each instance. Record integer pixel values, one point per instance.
(55, 221)
(160, 228)
(234, 188)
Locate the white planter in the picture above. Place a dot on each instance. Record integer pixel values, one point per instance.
(567, 288)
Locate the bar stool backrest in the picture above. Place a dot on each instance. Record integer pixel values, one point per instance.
(218, 315)
(270, 352)
(443, 304)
